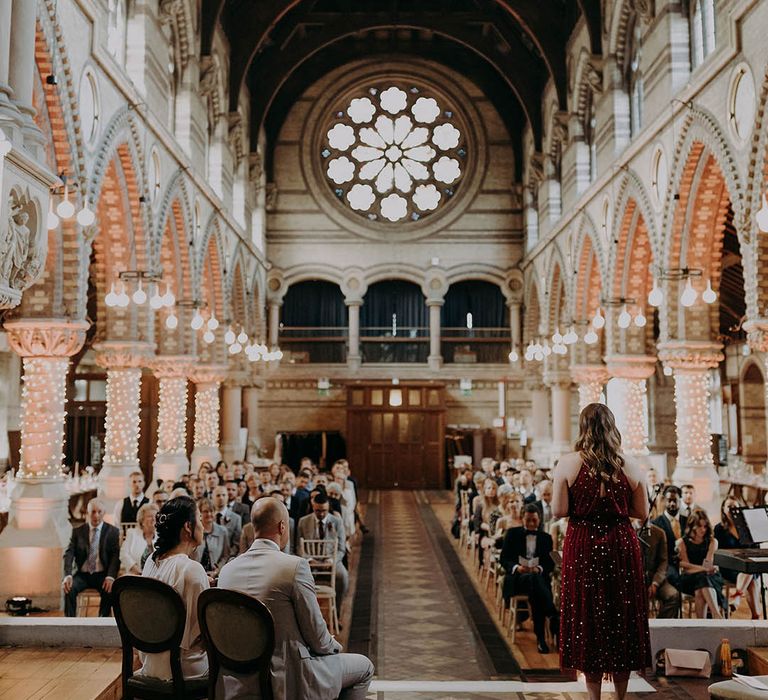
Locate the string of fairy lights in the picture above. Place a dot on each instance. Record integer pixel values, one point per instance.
(172, 415)
(207, 415)
(692, 417)
(634, 431)
(589, 392)
(122, 420)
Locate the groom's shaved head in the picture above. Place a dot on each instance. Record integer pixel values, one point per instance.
(266, 515)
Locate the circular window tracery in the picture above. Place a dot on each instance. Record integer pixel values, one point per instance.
(395, 154)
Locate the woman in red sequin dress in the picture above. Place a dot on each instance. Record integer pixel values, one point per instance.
(604, 603)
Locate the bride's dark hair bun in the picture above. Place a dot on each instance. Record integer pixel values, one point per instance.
(169, 523)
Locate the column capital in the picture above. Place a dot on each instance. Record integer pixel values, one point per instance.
(757, 334)
(434, 301)
(534, 383)
(172, 366)
(631, 366)
(46, 337)
(236, 379)
(684, 355)
(117, 354)
(560, 379)
(353, 301)
(586, 374)
(207, 374)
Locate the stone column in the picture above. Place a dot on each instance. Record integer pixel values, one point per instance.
(514, 325)
(5, 54)
(251, 400)
(435, 359)
(207, 380)
(539, 423)
(22, 67)
(274, 324)
(353, 355)
(757, 337)
(632, 371)
(171, 455)
(231, 417)
(590, 379)
(691, 362)
(38, 529)
(123, 362)
(560, 390)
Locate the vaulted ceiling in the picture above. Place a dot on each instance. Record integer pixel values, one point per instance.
(510, 48)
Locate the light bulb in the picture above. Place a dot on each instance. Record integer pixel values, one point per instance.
(513, 356)
(66, 209)
(213, 323)
(667, 371)
(53, 220)
(209, 337)
(235, 348)
(556, 337)
(139, 296)
(546, 350)
(590, 338)
(156, 300)
(599, 320)
(278, 354)
(570, 337)
(229, 336)
(122, 298)
(168, 298)
(640, 320)
(111, 298)
(655, 296)
(762, 216)
(171, 321)
(197, 321)
(709, 296)
(538, 356)
(688, 297)
(253, 354)
(242, 337)
(624, 318)
(85, 217)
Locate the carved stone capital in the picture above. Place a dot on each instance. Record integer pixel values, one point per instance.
(208, 374)
(644, 9)
(560, 127)
(172, 366)
(630, 366)
(757, 334)
(46, 337)
(534, 383)
(684, 355)
(270, 201)
(594, 75)
(168, 10)
(590, 374)
(559, 379)
(236, 379)
(115, 354)
(255, 169)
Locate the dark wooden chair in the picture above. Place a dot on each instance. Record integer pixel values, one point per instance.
(151, 616)
(239, 635)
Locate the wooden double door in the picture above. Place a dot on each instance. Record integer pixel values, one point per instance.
(395, 435)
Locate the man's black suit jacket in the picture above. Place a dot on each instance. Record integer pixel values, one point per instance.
(663, 522)
(514, 547)
(129, 512)
(79, 545)
(299, 505)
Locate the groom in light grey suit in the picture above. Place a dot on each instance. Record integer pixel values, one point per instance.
(307, 663)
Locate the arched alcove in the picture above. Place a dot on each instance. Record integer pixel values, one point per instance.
(752, 436)
(314, 323)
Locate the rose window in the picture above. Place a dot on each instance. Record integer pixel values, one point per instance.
(394, 155)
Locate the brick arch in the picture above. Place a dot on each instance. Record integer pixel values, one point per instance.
(239, 308)
(589, 281)
(701, 213)
(531, 313)
(557, 299)
(211, 280)
(176, 195)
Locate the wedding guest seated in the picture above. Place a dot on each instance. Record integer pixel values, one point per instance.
(511, 506)
(234, 506)
(179, 534)
(160, 498)
(654, 489)
(653, 545)
(526, 486)
(224, 516)
(221, 470)
(127, 509)
(306, 661)
(139, 541)
(253, 490)
(214, 550)
(300, 505)
(92, 560)
(699, 576)
(673, 525)
(242, 489)
(486, 515)
(525, 556)
(727, 536)
(321, 524)
(238, 470)
(211, 482)
(688, 498)
(544, 504)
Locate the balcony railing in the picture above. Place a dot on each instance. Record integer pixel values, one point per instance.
(475, 345)
(400, 344)
(316, 344)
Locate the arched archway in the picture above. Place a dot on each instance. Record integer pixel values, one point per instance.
(752, 417)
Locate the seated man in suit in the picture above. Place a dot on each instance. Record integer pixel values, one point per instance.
(524, 544)
(673, 525)
(91, 560)
(321, 524)
(226, 518)
(126, 510)
(299, 502)
(688, 500)
(653, 545)
(544, 504)
(235, 506)
(307, 662)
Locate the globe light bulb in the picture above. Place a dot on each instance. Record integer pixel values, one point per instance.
(640, 320)
(667, 371)
(546, 350)
(111, 298)
(570, 337)
(556, 337)
(168, 298)
(529, 352)
(624, 318)
(599, 320)
(156, 300)
(85, 217)
(122, 298)
(590, 338)
(655, 296)
(688, 297)
(709, 296)
(513, 356)
(242, 337)
(229, 336)
(252, 353)
(52, 221)
(171, 321)
(139, 296)
(197, 321)
(278, 354)
(66, 210)
(235, 348)
(213, 323)
(209, 337)
(762, 216)
(538, 356)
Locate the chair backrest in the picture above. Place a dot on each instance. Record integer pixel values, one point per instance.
(150, 617)
(239, 635)
(464, 496)
(322, 559)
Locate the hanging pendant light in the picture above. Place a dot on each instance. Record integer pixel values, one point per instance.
(624, 318)
(599, 320)
(66, 210)
(688, 297)
(708, 296)
(655, 296)
(52, 221)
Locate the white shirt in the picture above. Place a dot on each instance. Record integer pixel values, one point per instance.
(132, 550)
